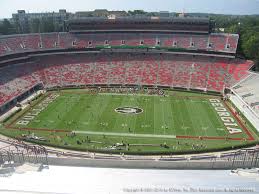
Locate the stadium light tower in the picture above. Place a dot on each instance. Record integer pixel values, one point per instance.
(239, 27)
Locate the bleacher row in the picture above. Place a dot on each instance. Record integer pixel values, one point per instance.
(122, 68)
(32, 42)
(248, 90)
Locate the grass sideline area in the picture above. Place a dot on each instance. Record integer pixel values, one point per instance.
(177, 122)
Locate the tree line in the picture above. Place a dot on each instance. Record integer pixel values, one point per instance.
(248, 29)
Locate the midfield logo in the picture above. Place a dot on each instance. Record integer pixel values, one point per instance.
(129, 110)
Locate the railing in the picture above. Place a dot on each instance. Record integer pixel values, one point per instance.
(20, 152)
(243, 158)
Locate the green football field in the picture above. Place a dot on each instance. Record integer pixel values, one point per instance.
(134, 118)
(171, 115)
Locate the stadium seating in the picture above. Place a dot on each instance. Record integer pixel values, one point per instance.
(66, 40)
(238, 71)
(50, 41)
(81, 41)
(2, 47)
(199, 42)
(115, 39)
(149, 70)
(86, 72)
(183, 41)
(15, 43)
(232, 41)
(199, 75)
(165, 72)
(33, 42)
(202, 73)
(101, 74)
(217, 76)
(117, 71)
(182, 74)
(15, 80)
(218, 42)
(133, 70)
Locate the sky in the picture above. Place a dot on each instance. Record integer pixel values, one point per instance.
(7, 7)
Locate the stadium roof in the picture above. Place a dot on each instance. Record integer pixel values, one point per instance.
(142, 19)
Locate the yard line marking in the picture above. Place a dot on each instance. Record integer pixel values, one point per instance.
(122, 94)
(125, 134)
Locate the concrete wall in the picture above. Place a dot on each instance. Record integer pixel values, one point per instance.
(145, 164)
(141, 163)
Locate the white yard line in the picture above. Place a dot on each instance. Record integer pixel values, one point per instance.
(123, 94)
(125, 134)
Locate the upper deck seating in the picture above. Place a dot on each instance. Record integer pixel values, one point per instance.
(64, 40)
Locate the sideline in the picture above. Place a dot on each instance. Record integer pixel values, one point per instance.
(125, 134)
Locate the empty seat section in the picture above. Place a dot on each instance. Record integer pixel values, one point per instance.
(200, 41)
(50, 41)
(134, 66)
(117, 69)
(32, 41)
(217, 76)
(150, 69)
(101, 73)
(218, 42)
(199, 75)
(165, 73)
(181, 76)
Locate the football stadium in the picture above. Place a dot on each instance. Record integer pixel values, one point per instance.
(133, 86)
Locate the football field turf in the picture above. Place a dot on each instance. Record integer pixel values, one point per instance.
(173, 115)
(144, 121)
